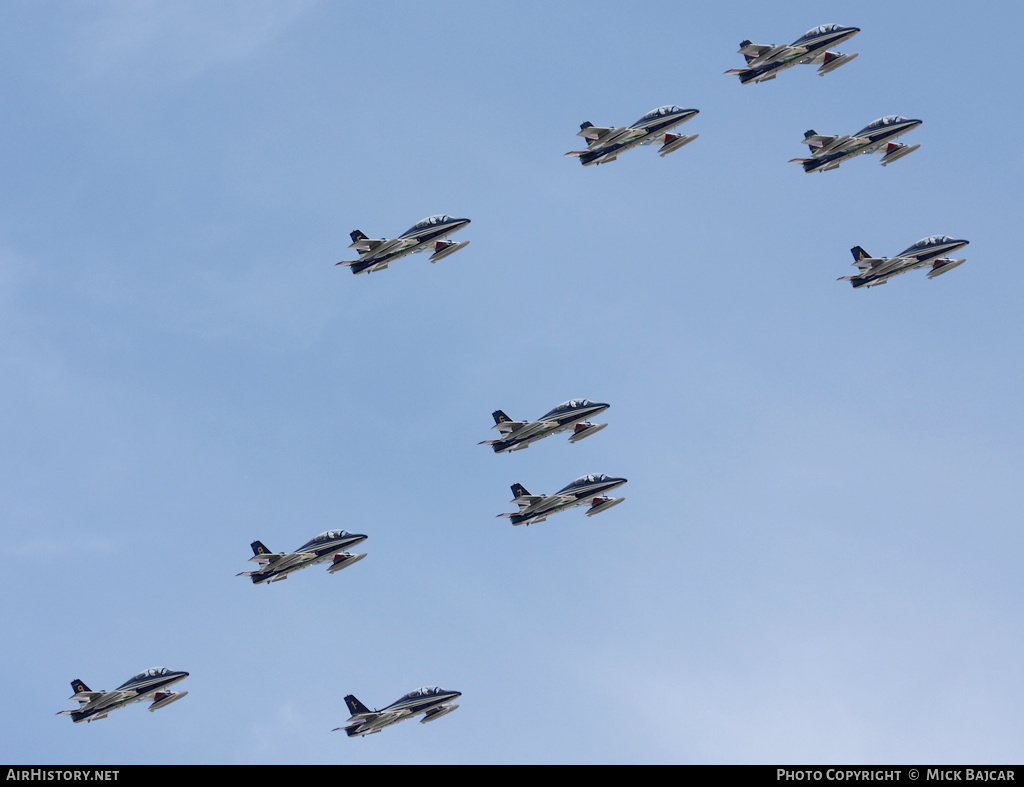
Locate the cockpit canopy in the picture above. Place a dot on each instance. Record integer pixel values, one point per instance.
(888, 120)
(821, 29)
(668, 109)
(330, 535)
(425, 691)
(156, 672)
(931, 240)
(593, 478)
(572, 404)
(429, 221)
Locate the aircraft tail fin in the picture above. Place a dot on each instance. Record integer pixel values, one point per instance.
(357, 235)
(586, 125)
(258, 549)
(807, 135)
(518, 490)
(355, 707)
(747, 42)
(859, 254)
(79, 687)
(500, 417)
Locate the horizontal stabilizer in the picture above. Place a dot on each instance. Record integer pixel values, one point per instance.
(593, 132)
(828, 147)
(365, 244)
(768, 55)
(266, 557)
(750, 49)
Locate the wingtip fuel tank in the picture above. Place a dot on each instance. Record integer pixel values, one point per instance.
(344, 561)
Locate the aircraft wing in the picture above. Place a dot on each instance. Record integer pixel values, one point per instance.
(381, 719)
(538, 504)
(868, 263)
(282, 560)
(376, 248)
(521, 429)
(771, 54)
(106, 698)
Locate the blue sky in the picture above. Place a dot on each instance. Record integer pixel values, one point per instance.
(817, 559)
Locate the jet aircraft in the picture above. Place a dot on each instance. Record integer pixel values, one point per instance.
(95, 705)
(376, 255)
(876, 137)
(928, 251)
(516, 435)
(275, 566)
(605, 144)
(434, 701)
(766, 62)
(588, 488)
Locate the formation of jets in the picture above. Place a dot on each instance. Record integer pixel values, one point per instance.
(876, 137)
(604, 144)
(275, 566)
(767, 62)
(516, 435)
(95, 705)
(376, 255)
(926, 252)
(433, 701)
(589, 488)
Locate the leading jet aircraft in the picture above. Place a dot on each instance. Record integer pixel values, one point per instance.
(95, 705)
(766, 62)
(275, 566)
(876, 137)
(573, 414)
(605, 144)
(588, 488)
(434, 701)
(376, 255)
(927, 251)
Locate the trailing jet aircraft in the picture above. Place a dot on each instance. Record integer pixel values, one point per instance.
(927, 251)
(376, 255)
(435, 702)
(605, 144)
(592, 488)
(876, 137)
(766, 62)
(94, 705)
(275, 566)
(573, 414)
